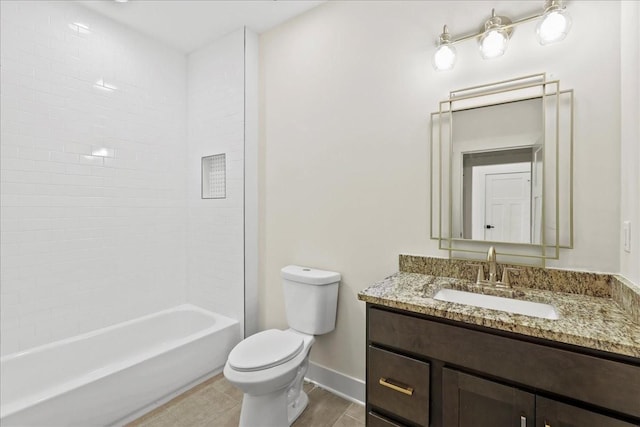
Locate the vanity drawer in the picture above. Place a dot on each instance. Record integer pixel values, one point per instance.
(576, 375)
(399, 385)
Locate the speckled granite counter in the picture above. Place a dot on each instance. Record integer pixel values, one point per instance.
(588, 321)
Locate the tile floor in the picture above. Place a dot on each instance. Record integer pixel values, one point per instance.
(216, 403)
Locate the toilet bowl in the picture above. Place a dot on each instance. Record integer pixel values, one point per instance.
(269, 367)
(271, 380)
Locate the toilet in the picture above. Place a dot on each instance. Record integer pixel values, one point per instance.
(269, 367)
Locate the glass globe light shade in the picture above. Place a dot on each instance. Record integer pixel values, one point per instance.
(493, 43)
(445, 57)
(553, 27)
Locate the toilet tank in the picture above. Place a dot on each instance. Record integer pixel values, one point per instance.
(311, 299)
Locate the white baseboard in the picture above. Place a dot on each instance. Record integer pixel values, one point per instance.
(338, 383)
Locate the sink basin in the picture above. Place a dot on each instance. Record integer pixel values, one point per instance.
(528, 308)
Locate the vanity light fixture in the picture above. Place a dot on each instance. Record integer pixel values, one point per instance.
(555, 23)
(445, 57)
(493, 41)
(496, 31)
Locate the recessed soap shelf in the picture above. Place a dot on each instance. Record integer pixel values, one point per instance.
(214, 177)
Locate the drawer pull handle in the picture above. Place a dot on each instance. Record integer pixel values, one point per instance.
(405, 390)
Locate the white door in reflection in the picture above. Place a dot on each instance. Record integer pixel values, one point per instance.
(501, 203)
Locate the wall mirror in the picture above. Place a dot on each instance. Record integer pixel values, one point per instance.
(501, 170)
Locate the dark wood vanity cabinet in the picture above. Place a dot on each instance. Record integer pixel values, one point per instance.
(470, 401)
(551, 413)
(430, 372)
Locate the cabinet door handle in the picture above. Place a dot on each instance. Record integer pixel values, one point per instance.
(523, 421)
(404, 390)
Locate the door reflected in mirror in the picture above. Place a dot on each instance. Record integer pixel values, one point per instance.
(497, 172)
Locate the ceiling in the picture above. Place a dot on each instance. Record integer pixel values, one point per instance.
(190, 24)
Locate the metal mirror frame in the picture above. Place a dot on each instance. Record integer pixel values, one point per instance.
(557, 142)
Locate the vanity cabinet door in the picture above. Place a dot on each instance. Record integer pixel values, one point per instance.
(551, 413)
(469, 401)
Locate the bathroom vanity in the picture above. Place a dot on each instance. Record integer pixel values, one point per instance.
(434, 363)
(449, 343)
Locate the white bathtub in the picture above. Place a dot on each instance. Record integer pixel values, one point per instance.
(103, 376)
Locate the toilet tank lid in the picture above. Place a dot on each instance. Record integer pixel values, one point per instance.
(310, 276)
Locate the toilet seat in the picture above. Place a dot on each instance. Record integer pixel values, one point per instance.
(265, 350)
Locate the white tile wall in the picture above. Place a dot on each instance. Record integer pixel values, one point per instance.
(93, 135)
(251, 211)
(216, 125)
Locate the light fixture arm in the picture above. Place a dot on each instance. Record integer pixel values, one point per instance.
(510, 25)
(550, 5)
(445, 37)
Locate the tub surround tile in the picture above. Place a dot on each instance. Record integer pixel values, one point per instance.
(215, 227)
(103, 234)
(587, 321)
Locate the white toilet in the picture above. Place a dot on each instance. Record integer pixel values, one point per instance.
(269, 367)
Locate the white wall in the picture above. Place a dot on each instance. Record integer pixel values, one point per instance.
(630, 138)
(346, 93)
(93, 191)
(216, 125)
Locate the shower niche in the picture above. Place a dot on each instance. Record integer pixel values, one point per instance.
(214, 177)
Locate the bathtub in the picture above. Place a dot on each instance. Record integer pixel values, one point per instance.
(104, 376)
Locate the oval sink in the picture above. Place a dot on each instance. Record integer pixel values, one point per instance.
(528, 308)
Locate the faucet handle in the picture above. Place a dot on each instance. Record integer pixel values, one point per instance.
(505, 275)
(480, 275)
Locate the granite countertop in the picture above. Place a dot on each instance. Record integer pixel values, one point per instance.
(587, 321)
